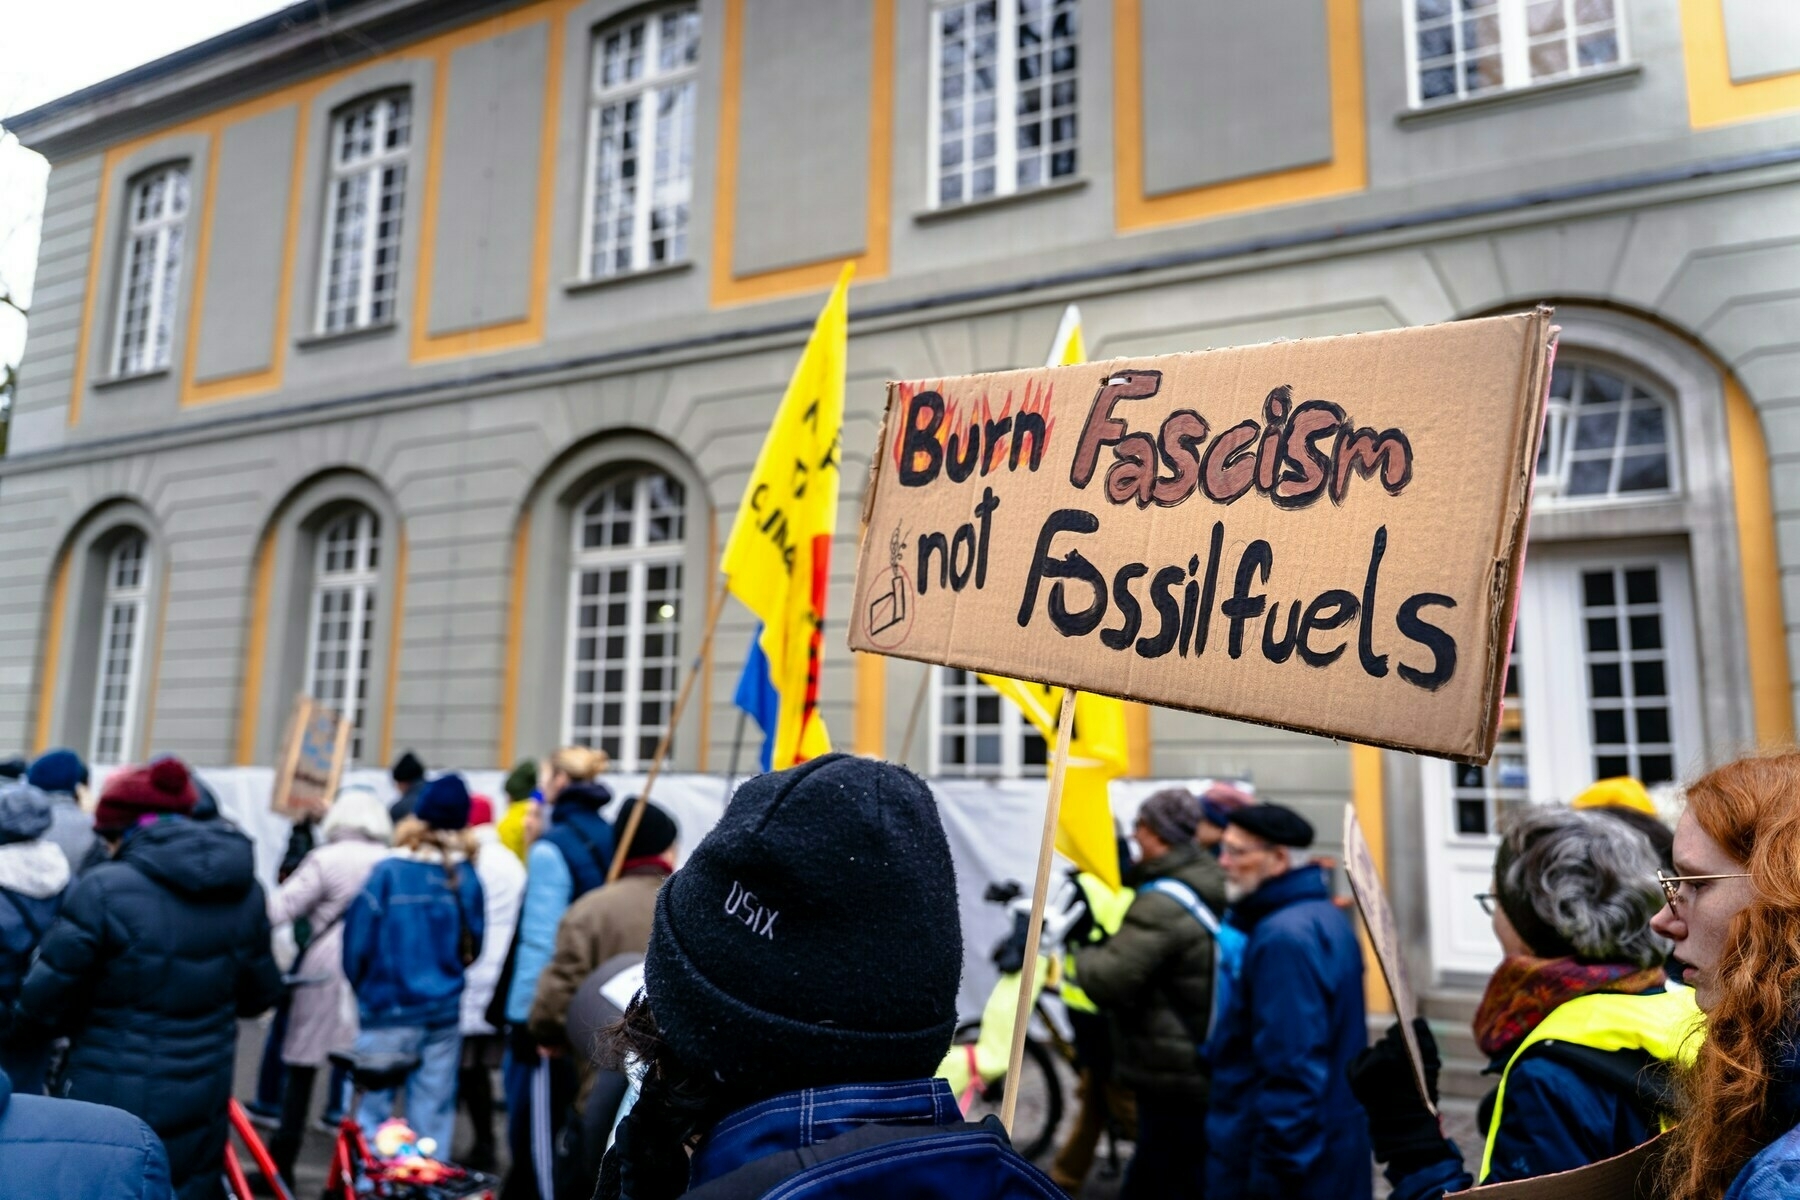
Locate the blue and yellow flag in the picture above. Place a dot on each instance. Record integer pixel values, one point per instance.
(1097, 745)
(779, 551)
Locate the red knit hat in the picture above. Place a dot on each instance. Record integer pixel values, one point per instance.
(160, 787)
(481, 811)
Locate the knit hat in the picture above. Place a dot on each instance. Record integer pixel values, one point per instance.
(656, 830)
(1621, 791)
(813, 937)
(161, 787)
(407, 769)
(444, 804)
(14, 767)
(24, 812)
(1220, 800)
(57, 771)
(1172, 813)
(481, 811)
(521, 781)
(1275, 824)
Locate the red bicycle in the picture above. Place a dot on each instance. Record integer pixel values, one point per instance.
(356, 1173)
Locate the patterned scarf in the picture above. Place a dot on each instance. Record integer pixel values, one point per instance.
(1524, 990)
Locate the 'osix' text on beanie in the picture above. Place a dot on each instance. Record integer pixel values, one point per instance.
(813, 937)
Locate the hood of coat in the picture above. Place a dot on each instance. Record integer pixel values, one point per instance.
(35, 869)
(24, 812)
(592, 796)
(209, 860)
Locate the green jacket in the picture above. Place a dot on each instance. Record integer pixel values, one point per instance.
(1153, 977)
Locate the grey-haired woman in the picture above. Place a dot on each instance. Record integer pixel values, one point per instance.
(1579, 1020)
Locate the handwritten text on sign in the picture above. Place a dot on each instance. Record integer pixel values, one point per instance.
(1323, 535)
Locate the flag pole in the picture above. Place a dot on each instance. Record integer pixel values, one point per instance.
(1034, 930)
(629, 829)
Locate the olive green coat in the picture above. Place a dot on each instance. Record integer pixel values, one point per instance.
(1153, 978)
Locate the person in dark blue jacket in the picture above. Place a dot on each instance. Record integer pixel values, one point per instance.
(408, 939)
(33, 875)
(800, 990)
(1581, 1029)
(1283, 1121)
(68, 1150)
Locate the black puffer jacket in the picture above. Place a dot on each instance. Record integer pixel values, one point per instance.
(1154, 978)
(155, 956)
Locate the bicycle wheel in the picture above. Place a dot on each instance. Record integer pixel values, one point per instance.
(1040, 1107)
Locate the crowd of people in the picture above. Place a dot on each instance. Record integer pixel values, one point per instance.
(772, 1016)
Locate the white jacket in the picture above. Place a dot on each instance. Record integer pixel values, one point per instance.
(502, 878)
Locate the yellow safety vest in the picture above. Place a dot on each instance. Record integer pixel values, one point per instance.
(1108, 908)
(1662, 1025)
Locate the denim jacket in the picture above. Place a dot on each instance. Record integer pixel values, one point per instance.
(958, 1163)
(402, 941)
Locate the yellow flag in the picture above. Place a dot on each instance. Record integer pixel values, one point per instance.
(779, 553)
(1097, 746)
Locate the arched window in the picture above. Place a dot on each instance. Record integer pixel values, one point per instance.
(340, 637)
(120, 656)
(624, 616)
(366, 198)
(1607, 436)
(156, 210)
(641, 142)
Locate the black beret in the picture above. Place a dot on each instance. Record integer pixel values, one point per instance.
(1274, 824)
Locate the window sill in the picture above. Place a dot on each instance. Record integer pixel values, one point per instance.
(952, 211)
(1556, 89)
(113, 381)
(315, 340)
(576, 286)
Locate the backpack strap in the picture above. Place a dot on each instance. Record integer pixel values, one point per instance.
(601, 865)
(759, 1177)
(1189, 899)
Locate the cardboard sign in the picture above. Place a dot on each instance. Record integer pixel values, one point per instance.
(1378, 919)
(1628, 1176)
(318, 741)
(1323, 535)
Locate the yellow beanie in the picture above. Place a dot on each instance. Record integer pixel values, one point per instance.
(1621, 791)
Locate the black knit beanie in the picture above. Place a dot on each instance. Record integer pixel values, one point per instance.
(813, 938)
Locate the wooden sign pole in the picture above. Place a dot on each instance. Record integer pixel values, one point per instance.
(1034, 930)
(629, 829)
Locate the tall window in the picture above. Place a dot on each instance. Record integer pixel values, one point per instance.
(1003, 97)
(982, 734)
(1628, 673)
(1464, 48)
(346, 568)
(156, 209)
(641, 142)
(364, 203)
(1605, 436)
(121, 649)
(625, 616)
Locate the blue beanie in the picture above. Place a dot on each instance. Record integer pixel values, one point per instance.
(444, 804)
(57, 771)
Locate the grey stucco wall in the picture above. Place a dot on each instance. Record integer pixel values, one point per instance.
(1761, 38)
(487, 183)
(1232, 90)
(249, 219)
(41, 407)
(811, 97)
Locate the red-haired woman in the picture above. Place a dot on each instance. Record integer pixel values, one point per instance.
(1733, 914)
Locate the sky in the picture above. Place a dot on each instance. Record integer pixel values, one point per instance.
(56, 48)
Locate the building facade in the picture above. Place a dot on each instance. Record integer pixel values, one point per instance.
(416, 358)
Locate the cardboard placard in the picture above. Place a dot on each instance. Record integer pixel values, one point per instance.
(1378, 919)
(1323, 535)
(1628, 1176)
(312, 760)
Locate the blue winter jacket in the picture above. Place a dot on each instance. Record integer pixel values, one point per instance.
(401, 940)
(1283, 1121)
(70, 1150)
(33, 876)
(568, 861)
(951, 1165)
(1774, 1174)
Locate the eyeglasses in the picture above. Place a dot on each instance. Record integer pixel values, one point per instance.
(1487, 900)
(1671, 884)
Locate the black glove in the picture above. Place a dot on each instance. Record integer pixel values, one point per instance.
(1403, 1131)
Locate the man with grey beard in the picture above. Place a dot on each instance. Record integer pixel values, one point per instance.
(1283, 1121)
